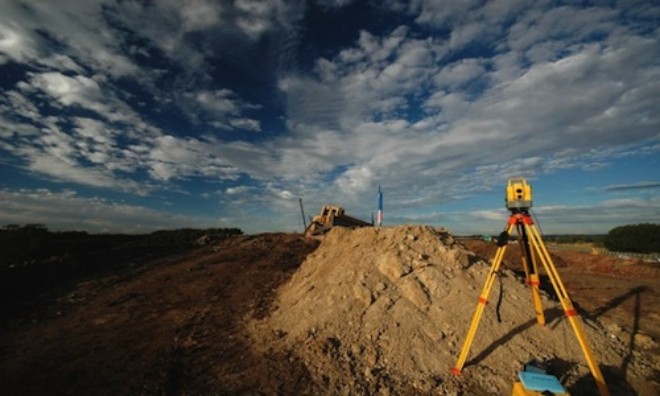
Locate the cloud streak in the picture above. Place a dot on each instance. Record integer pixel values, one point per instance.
(635, 186)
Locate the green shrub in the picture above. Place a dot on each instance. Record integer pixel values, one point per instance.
(638, 238)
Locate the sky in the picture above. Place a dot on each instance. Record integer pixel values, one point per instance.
(132, 116)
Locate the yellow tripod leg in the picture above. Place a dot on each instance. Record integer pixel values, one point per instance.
(532, 279)
(567, 305)
(534, 282)
(483, 300)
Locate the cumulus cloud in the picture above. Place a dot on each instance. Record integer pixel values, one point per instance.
(78, 90)
(459, 73)
(65, 210)
(237, 190)
(501, 88)
(200, 15)
(28, 31)
(223, 108)
(502, 115)
(246, 124)
(14, 45)
(220, 101)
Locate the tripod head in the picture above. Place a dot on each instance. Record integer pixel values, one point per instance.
(518, 195)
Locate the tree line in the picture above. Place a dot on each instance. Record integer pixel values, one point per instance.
(637, 238)
(34, 242)
(633, 238)
(34, 260)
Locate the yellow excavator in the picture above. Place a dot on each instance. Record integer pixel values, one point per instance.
(331, 216)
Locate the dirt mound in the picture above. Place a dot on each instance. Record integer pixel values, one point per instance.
(385, 310)
(371, 311)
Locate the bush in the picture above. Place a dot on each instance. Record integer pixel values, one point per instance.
(638, 238)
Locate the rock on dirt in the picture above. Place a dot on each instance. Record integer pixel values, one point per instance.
(386, 310)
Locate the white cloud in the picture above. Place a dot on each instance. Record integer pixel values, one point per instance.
(397, 107)
(77, 25)
(439, 12)
(99, 153)
(258, 17)
(460, 72)
(14, 45)
(95, 130)
(355, 180)
(60, 169)
(517, 119)
(178, 158)
(633, 186)
(84, 92)
(221, 101)
(237, 190)
(223, 108)
(594, 218)
(19, 105)
(68, 90)
(246, 124)
(200, 15)
(463, 35)
(565, 23)
(284, 194)
(64, 210)
(375, 80)
(599, 217)
(62, 63)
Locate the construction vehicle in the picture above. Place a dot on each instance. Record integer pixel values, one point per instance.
(332, 216)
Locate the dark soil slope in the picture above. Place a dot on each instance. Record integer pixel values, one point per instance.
(169, 328)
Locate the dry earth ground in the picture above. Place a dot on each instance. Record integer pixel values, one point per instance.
(221, 320)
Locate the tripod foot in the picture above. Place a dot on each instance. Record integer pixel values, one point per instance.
(456, 371)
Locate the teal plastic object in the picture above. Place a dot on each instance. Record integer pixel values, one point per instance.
(540, 382)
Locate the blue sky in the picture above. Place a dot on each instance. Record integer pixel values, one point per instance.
(133, 116)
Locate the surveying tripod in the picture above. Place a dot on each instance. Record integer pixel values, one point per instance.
(518, 201)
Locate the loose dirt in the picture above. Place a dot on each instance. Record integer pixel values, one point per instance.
(368, 311)
(386, 311)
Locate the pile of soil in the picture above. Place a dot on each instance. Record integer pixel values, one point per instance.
(370, 311)
(386, 310)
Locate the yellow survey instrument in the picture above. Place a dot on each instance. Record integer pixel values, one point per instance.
(518, 194)
(518, 201)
